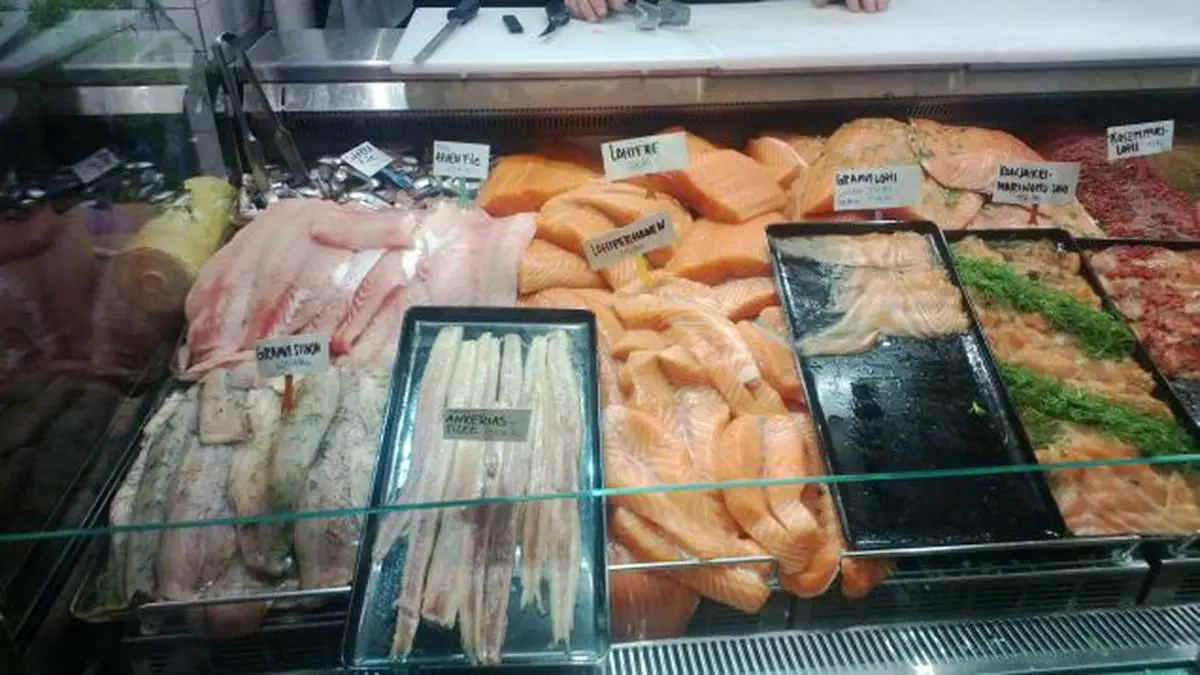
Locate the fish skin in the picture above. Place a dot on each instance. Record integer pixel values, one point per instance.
(191, 558)
(265, 547)
(222, 416)
(326, 548)
(163, 457)
(299, 438)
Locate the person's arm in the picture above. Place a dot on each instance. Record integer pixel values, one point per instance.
(593, 10)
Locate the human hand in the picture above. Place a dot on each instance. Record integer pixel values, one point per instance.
(593, 10)
(859, 5)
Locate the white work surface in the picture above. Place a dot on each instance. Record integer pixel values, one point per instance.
(793, 35)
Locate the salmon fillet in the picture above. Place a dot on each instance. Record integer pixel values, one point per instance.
(786, 156)
(773, 319)
(966, 158)
(729, 187)
(737, 586)
(569, 225)
(774, 517)
(668, 182)
(680, 367)
(774, 358)
(523, 183)
(745, 298)
(544, 265)
(608, 328)
(1070, 217)
(646, 604)
(623, 204)
(639, 340)
(948, 209)
(868, 142)
(715, 252)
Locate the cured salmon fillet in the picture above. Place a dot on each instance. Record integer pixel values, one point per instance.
(775, 517)
(966, 158)
(667, 182)
(544, 265)
(714, 252)
(867, 142)
(522, 183)
(948, 209)
(639, 340)
(739, 586)
(745, 298)
(773, 319)
(568, 224)
(774, 358)
(680, 367)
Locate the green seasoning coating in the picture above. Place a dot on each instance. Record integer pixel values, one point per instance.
(1102, 335)
(1049, 398)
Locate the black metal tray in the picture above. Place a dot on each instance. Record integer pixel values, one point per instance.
(1187, 390)
(1162, 390)
(372, 614)
(913, 405)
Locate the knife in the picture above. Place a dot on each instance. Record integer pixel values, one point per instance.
(462, 13)
(556, 17)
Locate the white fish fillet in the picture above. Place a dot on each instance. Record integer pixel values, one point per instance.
(565, 554)
(265, 546)
(299, 437)
(899, 249)
(431, 400)
(448, 580)
(191, 558)
(494, 527)
(534, 518)
(222, 416)
(422, 528)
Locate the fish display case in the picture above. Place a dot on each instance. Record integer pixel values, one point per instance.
(237, 528)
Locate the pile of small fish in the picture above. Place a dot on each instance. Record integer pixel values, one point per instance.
(458, 569)
(223, 448)
(405, 183)
(133, 181)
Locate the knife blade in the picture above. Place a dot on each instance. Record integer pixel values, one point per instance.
(456, 18)
(556, 17)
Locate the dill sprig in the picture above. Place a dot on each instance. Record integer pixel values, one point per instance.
(1049, 398)
(1101, 334)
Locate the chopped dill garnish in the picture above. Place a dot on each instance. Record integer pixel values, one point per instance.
(1034, 393)
(1042, 430)
(1101, 334)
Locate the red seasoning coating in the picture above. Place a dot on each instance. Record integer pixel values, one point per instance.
(1127, 197)
(1158, 290)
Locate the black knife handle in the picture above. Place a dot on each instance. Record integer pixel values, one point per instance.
(464, 11)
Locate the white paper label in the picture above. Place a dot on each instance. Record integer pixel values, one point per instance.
(486, 424)
(1036, 183)
(1139, 140)
(881, 187)
(461, 160)
(648, 154)
(367, 159)
(641, 236)
(96, 165)
(292, 355)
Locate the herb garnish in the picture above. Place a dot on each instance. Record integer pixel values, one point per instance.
(1153, 435)
(1102, 335)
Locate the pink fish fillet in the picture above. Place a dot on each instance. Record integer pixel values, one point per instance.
(218, 302)
(365, 230)
(387, 276)
(472, 258)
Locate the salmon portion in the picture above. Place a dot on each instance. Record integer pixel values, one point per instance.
(569, 225)
(729, 187)
(1070, 217)
(948, 209)
(669, 182)
(966, 158)
(745, 298)
(786, 156)
(646, 604)
(623, 204)
(639, 340)
(523, 183)
(680, 367)
(713, 252)
(738, 586)
(773, 319)
(608, 328)
(774, 359)
(544, 265)
(868, 142)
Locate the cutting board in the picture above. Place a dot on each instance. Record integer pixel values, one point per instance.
(485, 47)
(794, 35)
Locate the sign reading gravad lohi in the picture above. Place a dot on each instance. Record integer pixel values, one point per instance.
(292, 355)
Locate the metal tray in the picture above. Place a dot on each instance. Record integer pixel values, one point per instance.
(372, 615)
(912, 405)
(1187, 390)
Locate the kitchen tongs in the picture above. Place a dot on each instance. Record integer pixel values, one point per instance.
(227, 56)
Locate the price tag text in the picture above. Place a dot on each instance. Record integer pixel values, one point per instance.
(648, 154)
(471, 161)
(367, 159)
(1036, 183)
(639, 237)
(884, 187)
(292, 355)
(1140, 140)
(483, 424)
